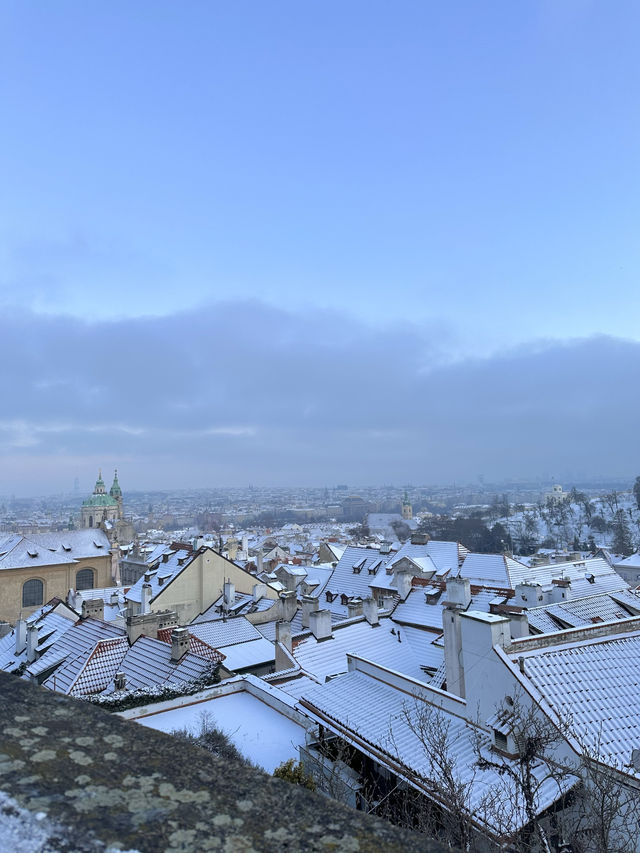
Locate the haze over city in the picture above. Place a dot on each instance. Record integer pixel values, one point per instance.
(314, 244)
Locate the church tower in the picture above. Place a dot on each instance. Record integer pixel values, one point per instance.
(116, 493)
(100, 507)
(407, 509)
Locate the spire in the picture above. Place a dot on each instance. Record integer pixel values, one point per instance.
(115, 491)
(99, 489)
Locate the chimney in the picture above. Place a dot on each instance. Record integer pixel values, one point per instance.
(403, 584)
(21, 636)
(32, 643)
(283, 634)
(120, 681)
(370, 610)
(320, 624)
(519, 623)
(229, 593)
(71, 599)
(259, 591)
(245, 548)
(385, 547)
(309, 606)
(354, 607)
(114, 599)
(459, 592)
(453, 649)
(179, 643)
(289, 604)
(93, 608)
(560, 590)
(528, 594)
(260, 561)
(419, 538)
(388, 601)
(145, 604)
(480, 633)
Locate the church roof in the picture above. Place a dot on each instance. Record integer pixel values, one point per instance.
(100, 500)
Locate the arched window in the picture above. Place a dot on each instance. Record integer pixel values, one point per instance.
(84, 579)
(32, 593)
(90, 521)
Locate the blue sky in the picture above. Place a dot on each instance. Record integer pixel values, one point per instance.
(461, 175)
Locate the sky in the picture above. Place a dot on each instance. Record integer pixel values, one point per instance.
(305, 243)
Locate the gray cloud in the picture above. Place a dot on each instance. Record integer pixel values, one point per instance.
(240, 392)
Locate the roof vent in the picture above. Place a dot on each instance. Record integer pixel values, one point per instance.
(97, 544)
(32, 553)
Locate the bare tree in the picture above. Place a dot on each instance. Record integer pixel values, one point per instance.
(529, 764)
(606, 814)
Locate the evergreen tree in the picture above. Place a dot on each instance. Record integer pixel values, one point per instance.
(636, 491)
(622, 543)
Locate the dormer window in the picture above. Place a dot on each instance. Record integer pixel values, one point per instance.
(329, 596)
(500, 740)
(344, 599)
(590, 578)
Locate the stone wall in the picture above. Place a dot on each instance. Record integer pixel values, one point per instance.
(106, 781)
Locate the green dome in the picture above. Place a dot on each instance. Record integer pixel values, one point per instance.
(100, 500)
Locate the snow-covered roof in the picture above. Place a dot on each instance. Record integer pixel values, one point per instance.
(594, 686)
(49, 549)
(445, 555)
(376, 717)
(148, 663)
(74, 646)
(328, 657)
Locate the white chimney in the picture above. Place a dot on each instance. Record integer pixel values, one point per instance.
(370, 610)
(71, 599)
(403, 582)
(459, 592)
(388, 600)
(145, 604)
(453, 649)
(320, 624)
(283, 634)
(229, 593)
(354, 607)
(289, 604)
(32, 642)
(21, 636)
(259, 591)
(309, 605)
(120, 681)
(245, 548)
(179, 643)
(528, 594)
(260, 560)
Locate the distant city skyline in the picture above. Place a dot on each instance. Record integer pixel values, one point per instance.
(292, 244)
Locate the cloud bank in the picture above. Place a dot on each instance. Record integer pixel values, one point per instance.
(242, 392)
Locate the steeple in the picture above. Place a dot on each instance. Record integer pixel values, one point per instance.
(99, 489)
(115, 491)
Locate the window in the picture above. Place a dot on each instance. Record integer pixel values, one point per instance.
(84, 579)
(32, 593)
